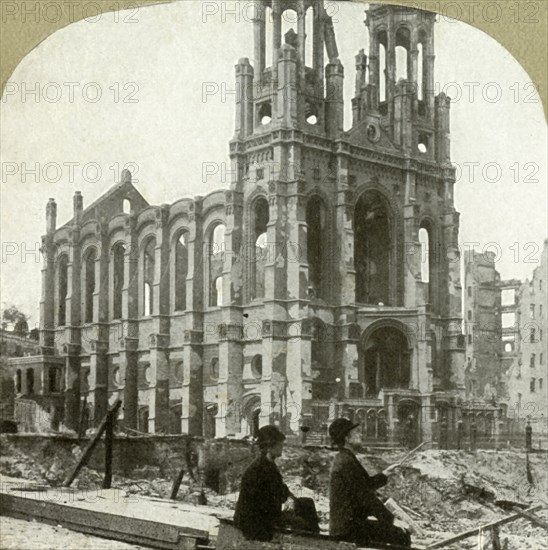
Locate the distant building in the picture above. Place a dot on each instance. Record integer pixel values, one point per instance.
(484, 378)
(528, 373)
(14, 348)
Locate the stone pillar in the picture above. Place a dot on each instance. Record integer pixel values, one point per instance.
(344, 253)
(73, 319)
(259, 40)
(276, 37)
(158, 393)
(287, 96)
(299, 377)
(47, 302)
(403, 116)
(318, 46)
(274, 379)
(127, 363)
(359, 88)
(229, 386)
(412, 248)
(334, 107)
(351, 371)
(301, 43)
(443, 142)
(391, 74)
(426, 422)
(129, 342)
(244, 99)
(193, 398)
(428, 63)
(98, 380)
(71, 415)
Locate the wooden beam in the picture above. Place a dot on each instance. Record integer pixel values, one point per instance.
(176, 484)
(532, 518)
(475, 531)
(91, 445)
(109, 436)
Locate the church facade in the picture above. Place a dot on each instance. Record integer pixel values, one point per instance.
(324, 281)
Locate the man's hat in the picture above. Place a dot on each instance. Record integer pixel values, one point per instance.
(269, 435)
(340, 428)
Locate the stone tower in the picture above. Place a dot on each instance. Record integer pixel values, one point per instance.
(350, 237)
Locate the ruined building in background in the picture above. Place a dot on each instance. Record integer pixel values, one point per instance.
(484, 376)
(324, 281)
(524, 344)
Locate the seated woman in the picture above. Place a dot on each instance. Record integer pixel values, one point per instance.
(352, 497)
(262, 491)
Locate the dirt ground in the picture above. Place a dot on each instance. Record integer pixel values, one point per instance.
(443, 492)
(18, 534)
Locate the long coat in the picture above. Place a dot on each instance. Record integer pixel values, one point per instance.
(262, 493)
(352, 495)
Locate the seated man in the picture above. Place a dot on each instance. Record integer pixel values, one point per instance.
(262, 491)
(352, 497)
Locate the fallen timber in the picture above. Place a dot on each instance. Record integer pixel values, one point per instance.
(97, 516)
(493, 525)
(231, 538)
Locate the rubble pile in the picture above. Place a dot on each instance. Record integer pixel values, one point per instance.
(440, 492)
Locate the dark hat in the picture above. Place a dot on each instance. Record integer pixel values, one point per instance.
(269, 435)
(340, 428)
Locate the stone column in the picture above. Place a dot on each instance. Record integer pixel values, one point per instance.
(158, 393)
(276, 38)
(193, 399)
(98, 380)
(127, 363)
(47, 302)
(412, 248)
(129, 342)
(287, 97)
(72, 386)
(334, 107)
(343, 254)
(244, 99)
(259, 39)
(229, 386)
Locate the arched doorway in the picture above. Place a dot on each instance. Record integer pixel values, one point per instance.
(409, 423)
(386, 360)
(373, 249)
(209, 420)
(252, 414)
(143, 419)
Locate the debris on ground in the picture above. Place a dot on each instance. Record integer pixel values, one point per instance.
(437, 493)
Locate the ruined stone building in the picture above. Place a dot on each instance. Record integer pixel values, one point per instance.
(484, 375)
(325, 280)
(527, 350)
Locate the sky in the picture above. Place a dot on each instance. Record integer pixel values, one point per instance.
(150, 90)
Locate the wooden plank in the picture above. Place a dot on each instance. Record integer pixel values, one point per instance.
(112, 526)
(475, 531)
(532, 518)
(177, 484)
(109, 437)
(91, 445)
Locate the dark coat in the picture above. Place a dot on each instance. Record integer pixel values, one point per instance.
(352, 495)
(262, 493)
